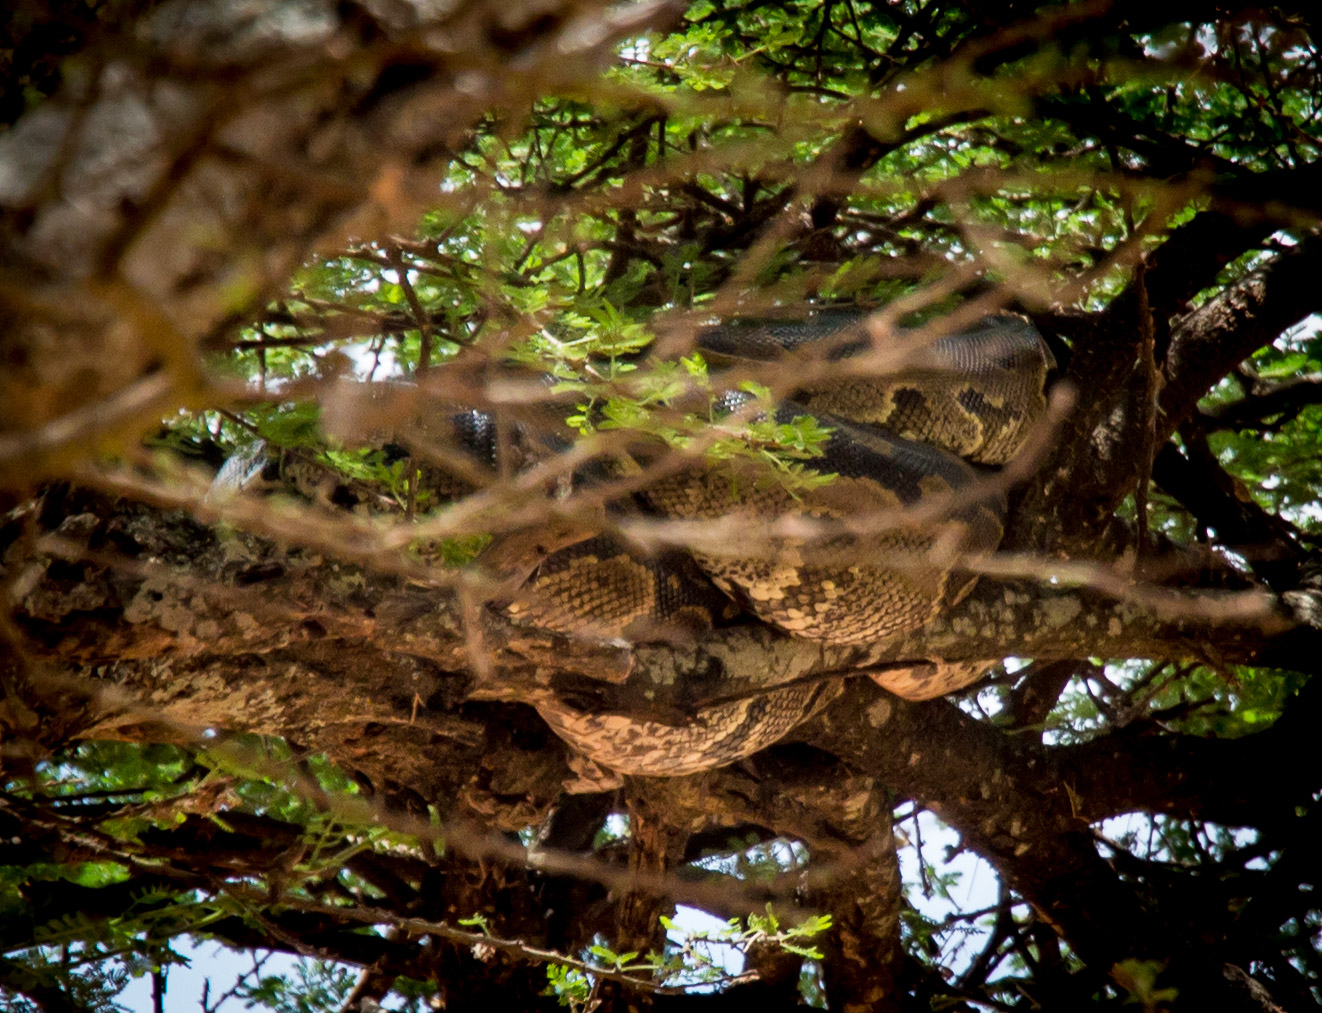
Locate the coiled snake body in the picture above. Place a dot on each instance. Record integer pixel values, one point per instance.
(872, 554)
(881, 552)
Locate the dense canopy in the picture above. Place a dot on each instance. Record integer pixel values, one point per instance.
(258, 686)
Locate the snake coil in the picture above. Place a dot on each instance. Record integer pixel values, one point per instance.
(908, 450)
(872, 554)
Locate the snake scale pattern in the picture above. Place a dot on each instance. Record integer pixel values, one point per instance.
(872, 554)
(908, 450)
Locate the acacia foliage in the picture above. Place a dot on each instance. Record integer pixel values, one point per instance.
(1140, 180)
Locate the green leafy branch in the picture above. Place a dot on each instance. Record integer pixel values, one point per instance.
(757, 929)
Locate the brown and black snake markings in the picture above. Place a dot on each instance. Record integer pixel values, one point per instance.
(875, 555)
(908, 450)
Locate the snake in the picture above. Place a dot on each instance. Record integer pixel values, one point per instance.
(872, 554)
(912, 451)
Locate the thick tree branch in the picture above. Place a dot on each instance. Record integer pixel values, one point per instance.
(1095, 462)
(1027, 809)
(260, 136)
(1212, 340)
(1202, 486)
(1281, 402)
